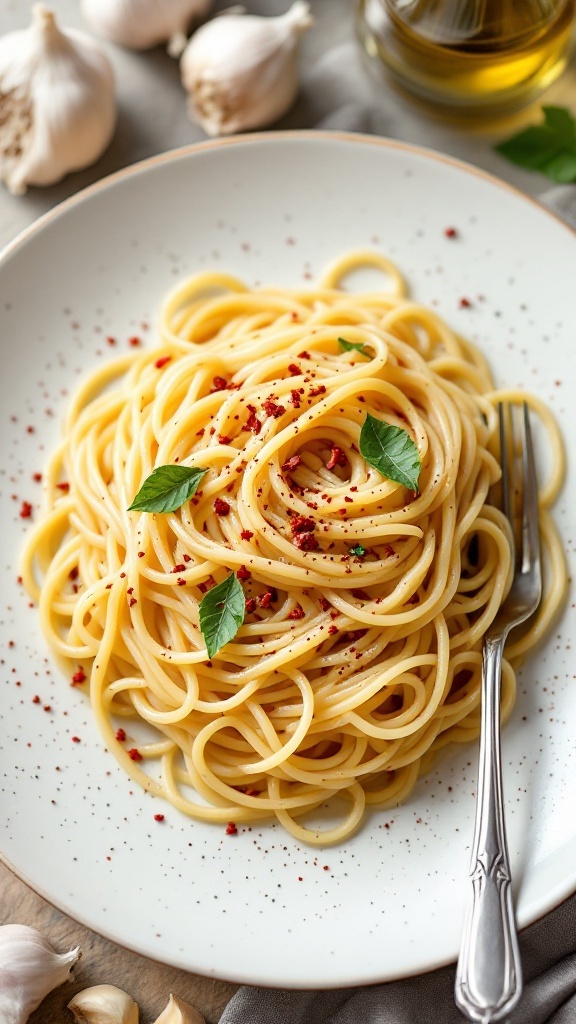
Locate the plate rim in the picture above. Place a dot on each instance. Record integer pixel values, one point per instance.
(189, 149)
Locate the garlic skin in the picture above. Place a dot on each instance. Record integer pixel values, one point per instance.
(179, 1012)
(141, 24)
(29, 969)
(103, 1004)
(57, 106)
(241, 70)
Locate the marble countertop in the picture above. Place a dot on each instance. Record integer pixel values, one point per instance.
(339, 89)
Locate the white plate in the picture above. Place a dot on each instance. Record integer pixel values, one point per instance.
(258, 907)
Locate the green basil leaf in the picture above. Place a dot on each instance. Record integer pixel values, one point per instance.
(549, 148)
(391, 451)
(222, 612)
(349, 346)
(167, 488)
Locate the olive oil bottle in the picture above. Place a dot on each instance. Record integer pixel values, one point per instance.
(477, 55)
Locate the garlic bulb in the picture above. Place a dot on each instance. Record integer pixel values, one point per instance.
(57, 108)
(179, 1012)
(140, 24)
(29, 969)
(103, 1004)
(241, 70)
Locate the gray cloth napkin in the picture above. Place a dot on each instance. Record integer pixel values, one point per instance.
(548, 948)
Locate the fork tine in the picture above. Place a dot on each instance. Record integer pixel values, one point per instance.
(506, 462)
(530, 522)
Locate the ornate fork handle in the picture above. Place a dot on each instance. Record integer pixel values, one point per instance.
(489, 974)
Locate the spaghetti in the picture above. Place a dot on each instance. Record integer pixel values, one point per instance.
(359, 655)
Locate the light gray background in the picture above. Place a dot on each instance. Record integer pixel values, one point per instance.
(340, 89)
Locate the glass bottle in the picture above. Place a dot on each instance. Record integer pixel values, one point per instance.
(470, 54)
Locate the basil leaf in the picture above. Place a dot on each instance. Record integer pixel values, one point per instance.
(167, 488)
(348, 346)
(222, 612)
(549, 148)
(391, 451)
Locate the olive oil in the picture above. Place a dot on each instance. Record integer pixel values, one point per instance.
(474, 54)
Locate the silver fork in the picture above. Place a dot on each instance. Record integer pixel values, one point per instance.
(489, 973)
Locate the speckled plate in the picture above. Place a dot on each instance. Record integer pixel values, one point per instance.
(258, 907)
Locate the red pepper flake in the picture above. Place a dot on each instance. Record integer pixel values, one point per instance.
(47, 707)
(450, 232)
(414, 599)
(202, 587)
(246, 534)
(162, 362)
(294, 369)
(134, 754)
(332, 630)
(120, 735)
(25, 510)
(304, 355)
(295, 398)
(221, 507)
(291, 463)
(337, 458)
(30, 430)
(110, 340)
(36, 699)
(361, 595)
(324, 604)
(296, 613)
(177, 568)
(319, 390)
(73, 574)
(265, 600)
(187, 558)
(355, 634)
(133, 601)
(253, 423)
(78, 677)
(158, 817)
(250, 605)
(141, 554)
(272, 409)
(224, 439)
(302, 524)
(243, 573)
(134, 341)
(75, 739)
(181, 582)
(37, 477)
(219, 384)
(306, 542)
(231, 829)
(464, 303)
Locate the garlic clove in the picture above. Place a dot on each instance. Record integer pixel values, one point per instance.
(29, 969)
(57, 106)
(103, 1004)
(178, 1012)
(141, 24)
(241, 70)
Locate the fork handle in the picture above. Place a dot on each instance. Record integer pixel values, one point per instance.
(489, 973)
